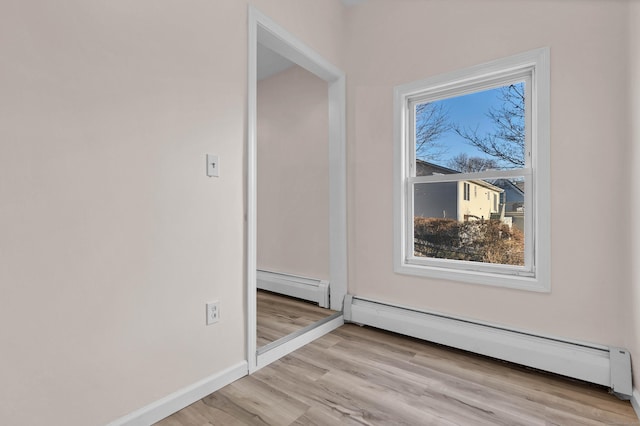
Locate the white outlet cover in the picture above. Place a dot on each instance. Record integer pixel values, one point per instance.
(213, 312)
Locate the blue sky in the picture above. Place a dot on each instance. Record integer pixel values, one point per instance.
(468, 111)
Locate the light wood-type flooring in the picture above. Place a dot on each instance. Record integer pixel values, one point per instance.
(279, 316)
(363, 376)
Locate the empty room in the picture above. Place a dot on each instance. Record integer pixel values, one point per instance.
(290, 212)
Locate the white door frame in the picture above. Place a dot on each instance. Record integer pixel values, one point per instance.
(282, 42)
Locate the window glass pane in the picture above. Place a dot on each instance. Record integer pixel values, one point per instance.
(472, 220)
(471, 133)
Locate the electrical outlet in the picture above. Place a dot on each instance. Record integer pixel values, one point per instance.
(213, 312)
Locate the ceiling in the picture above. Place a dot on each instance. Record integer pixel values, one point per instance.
(270, 63)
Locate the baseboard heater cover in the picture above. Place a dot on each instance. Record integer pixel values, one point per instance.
(310, 289)
(607, 366)
(635, 402)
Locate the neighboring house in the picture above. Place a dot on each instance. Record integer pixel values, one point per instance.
(513, 201)
(462, 200)
(513, 194)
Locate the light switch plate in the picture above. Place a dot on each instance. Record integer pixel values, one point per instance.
(213, 168)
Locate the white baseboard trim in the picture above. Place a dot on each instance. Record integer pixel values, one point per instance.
(310, 289)
(593, 363)
(306, 336)
(170, 404)
(635, 402)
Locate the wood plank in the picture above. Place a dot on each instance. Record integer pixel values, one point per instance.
(363, 376)
(279, 316)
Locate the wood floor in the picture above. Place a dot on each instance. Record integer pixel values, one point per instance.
(362, 376)
(279, 316)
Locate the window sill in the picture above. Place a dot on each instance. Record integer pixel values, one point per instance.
(535, 284)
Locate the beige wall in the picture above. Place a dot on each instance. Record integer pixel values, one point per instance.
(395, 42)
(293, 174)
(111, 236)
(632, 321)
(112, 239)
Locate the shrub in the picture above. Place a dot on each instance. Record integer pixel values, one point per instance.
(489, 241)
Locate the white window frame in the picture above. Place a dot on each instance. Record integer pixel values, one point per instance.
(533, 68)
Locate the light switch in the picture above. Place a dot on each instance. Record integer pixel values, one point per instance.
(213, 168)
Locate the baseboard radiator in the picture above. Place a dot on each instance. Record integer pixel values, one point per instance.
(603, 365)
(310, 289)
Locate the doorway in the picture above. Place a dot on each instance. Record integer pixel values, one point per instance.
(266, 35)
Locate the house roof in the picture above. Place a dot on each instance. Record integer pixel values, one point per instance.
(425, 168)
(505, 184)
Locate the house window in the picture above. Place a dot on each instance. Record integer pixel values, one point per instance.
(467, 191)
(486, 126)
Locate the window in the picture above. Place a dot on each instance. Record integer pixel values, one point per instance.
(485, 127)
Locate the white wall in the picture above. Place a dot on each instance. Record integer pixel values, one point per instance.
(632, 321)
(111, 236)
(395, 42)
(293, 174)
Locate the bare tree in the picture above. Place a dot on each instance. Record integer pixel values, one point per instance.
(507, 142)
(465, 164)
(432, 121)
